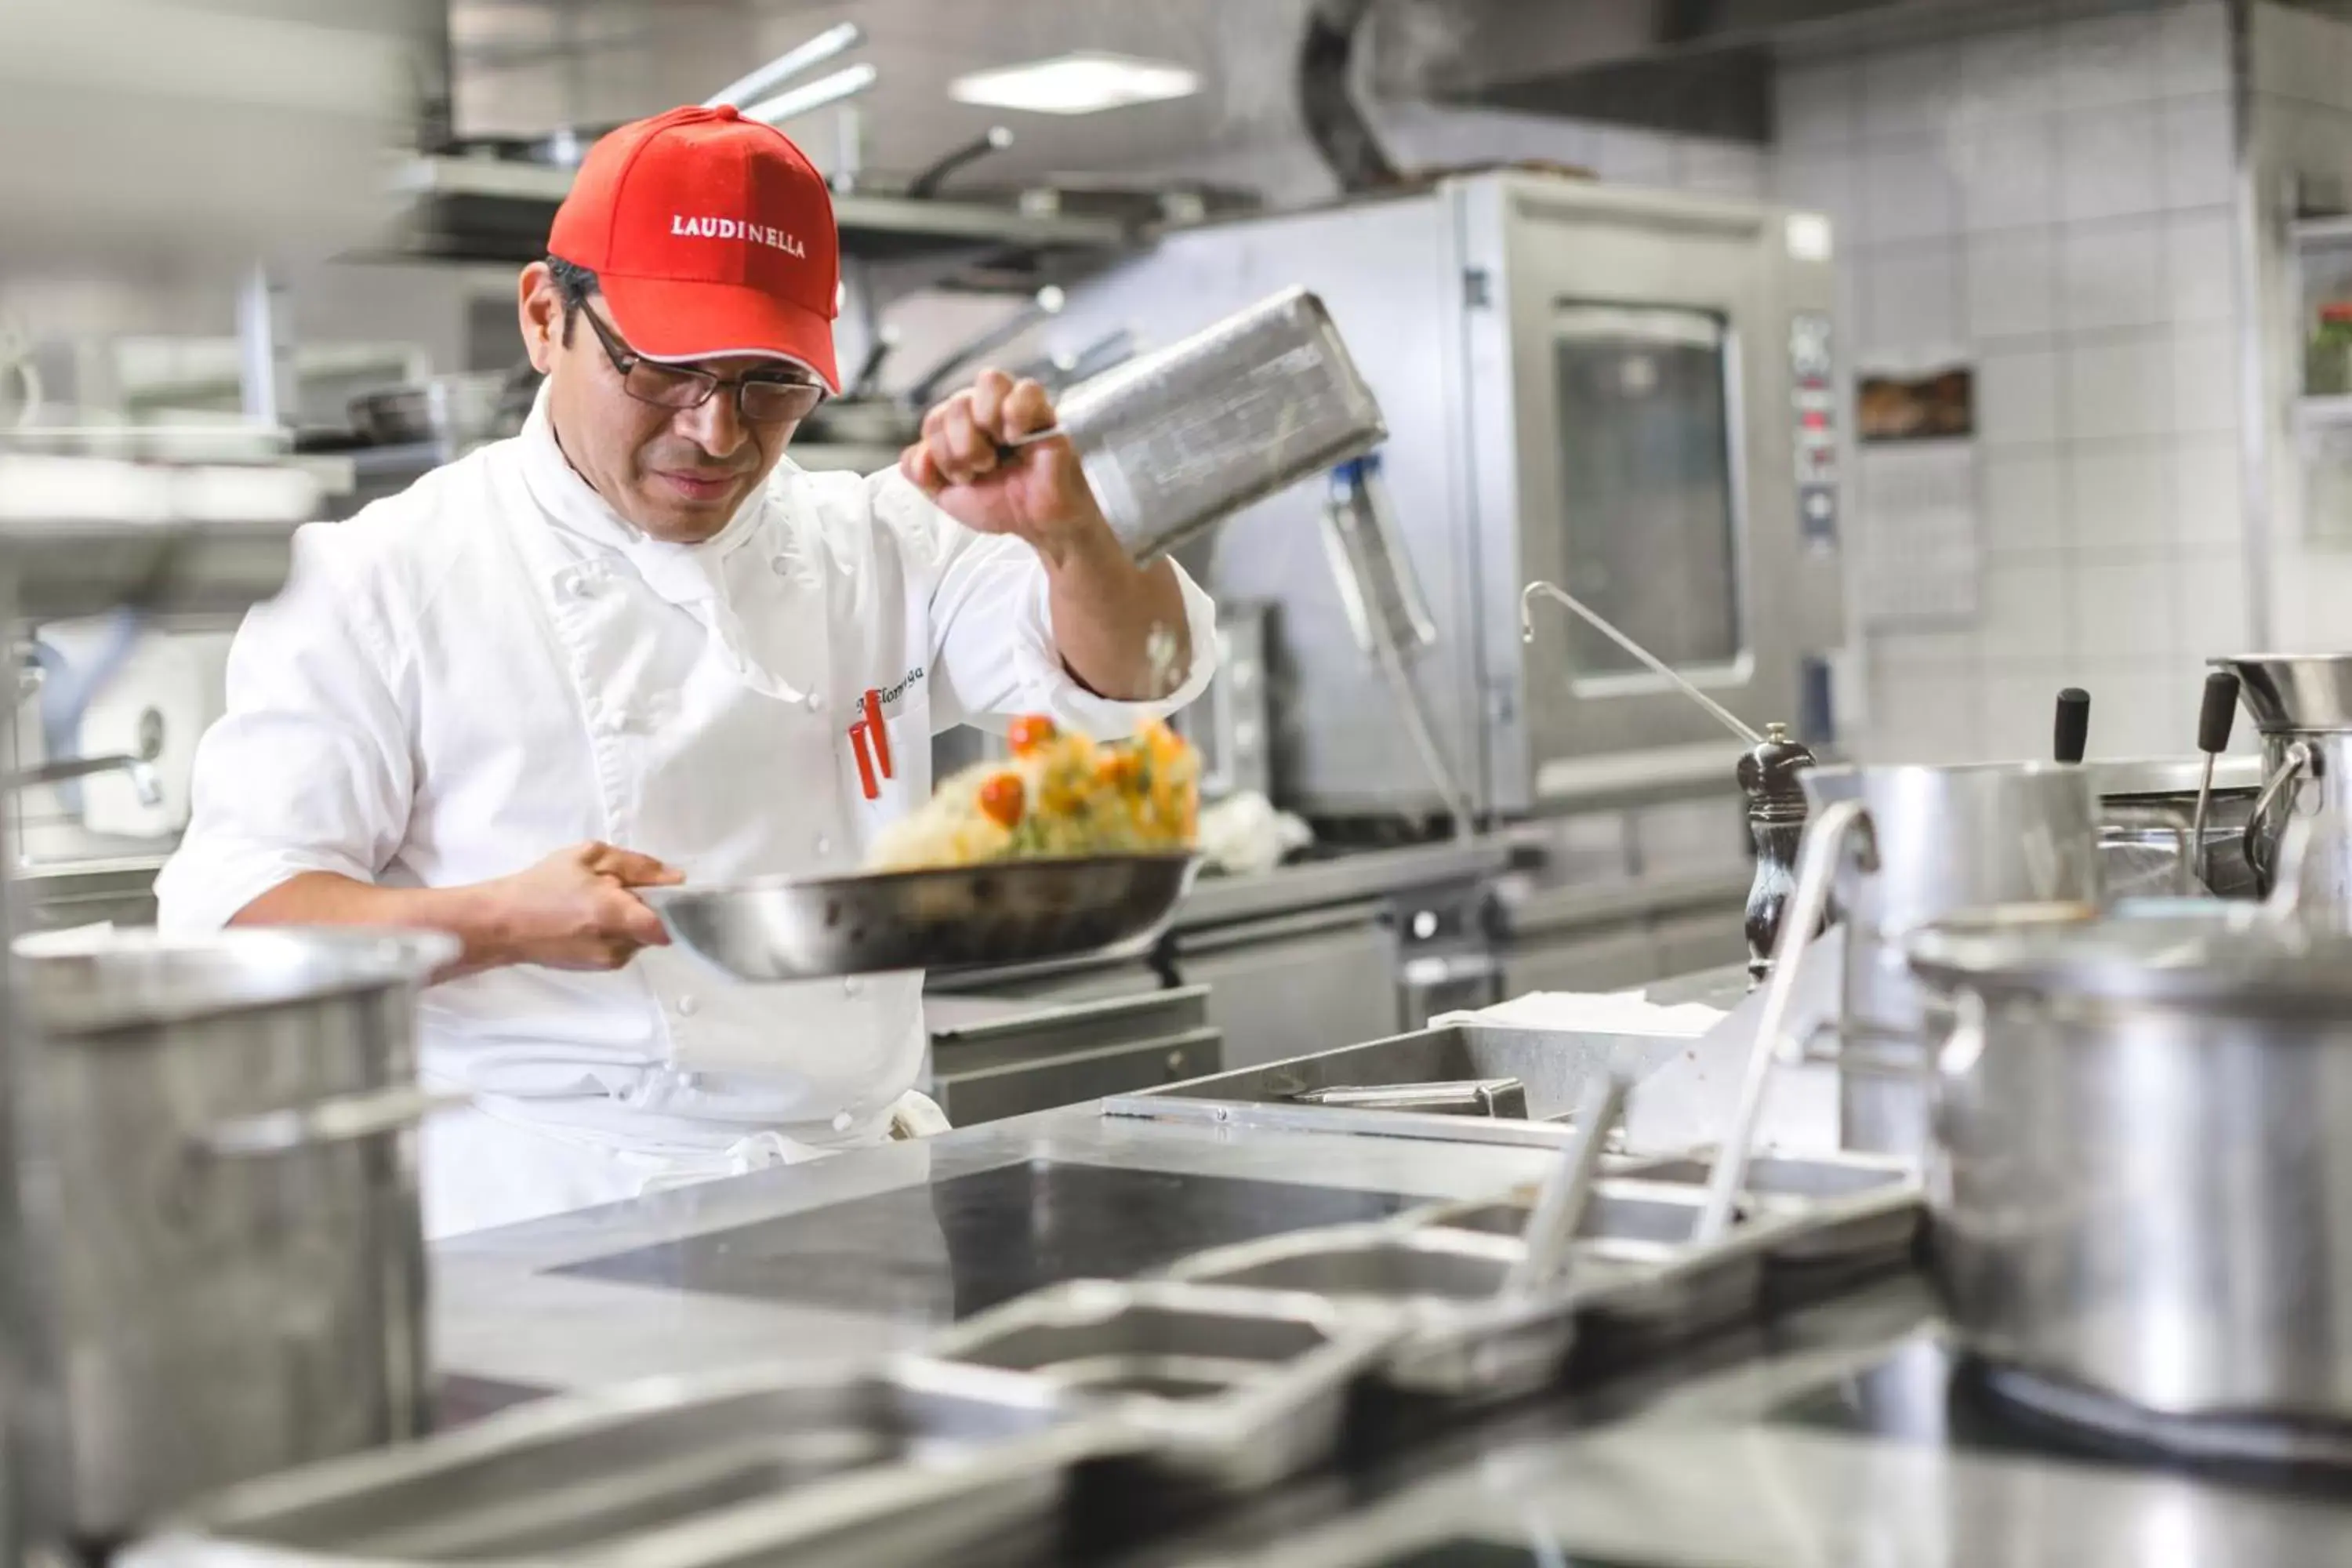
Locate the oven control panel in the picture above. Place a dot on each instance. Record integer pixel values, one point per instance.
(1812, 375)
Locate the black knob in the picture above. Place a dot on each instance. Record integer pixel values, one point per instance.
(2073, 725)
(2219, 711)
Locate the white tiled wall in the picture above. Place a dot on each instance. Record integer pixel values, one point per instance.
(2052, 202)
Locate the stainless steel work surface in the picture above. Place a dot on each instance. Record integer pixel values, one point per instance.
(1216, 900)
(1847, 1434)
(870, 1250)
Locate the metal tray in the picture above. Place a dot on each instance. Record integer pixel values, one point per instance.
(1849, 1211)
(1012, 911)
(1551, 1067)
(1435, 1289)
(1234, 1388)
(910, 1465)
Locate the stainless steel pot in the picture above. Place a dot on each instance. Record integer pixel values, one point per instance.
(2147, 809)
(223, 1248)
(1944, 839)
(2138, 1185)
(2302, 706)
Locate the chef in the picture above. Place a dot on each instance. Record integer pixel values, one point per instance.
(635, 646)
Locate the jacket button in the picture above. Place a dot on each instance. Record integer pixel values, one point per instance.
(825, 843)
(816, 700)
(781, 564)
(852, 986)
(843, 1122)
(685, 1006)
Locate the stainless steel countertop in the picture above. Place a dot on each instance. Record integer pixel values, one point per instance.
(1374, 873)
(1695, 1460)
(500, 1314)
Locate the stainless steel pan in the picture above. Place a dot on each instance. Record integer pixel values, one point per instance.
(1013, 911)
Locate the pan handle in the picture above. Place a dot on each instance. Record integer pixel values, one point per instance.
(343, 1119)
(2292, 765)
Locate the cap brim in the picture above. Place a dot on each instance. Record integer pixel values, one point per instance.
(663, 318)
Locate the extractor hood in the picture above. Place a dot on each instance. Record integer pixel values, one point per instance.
(1702, 66)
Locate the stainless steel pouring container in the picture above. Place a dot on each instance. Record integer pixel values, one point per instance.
(2139, 1185)
(1179, 439)
(1947, 838)
(227, 1262)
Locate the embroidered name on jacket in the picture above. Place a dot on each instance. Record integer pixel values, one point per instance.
(870, 738)
(736, 229)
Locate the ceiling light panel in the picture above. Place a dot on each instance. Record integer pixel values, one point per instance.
(1082, 83)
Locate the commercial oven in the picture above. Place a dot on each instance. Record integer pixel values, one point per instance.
(1628, 391)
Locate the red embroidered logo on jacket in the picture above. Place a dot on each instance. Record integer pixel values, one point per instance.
(869, 737)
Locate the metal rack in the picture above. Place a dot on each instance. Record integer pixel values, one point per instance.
(490, 209)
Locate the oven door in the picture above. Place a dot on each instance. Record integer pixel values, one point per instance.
(1640, 448)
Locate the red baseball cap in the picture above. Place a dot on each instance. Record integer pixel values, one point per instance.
(712, 235)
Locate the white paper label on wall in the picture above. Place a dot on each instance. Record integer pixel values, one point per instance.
(1922, 556)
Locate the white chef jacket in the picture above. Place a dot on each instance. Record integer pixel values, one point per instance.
(492, 664)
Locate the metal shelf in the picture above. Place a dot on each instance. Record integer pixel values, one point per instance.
(2321, 232)
(490, 209)
(81, 568)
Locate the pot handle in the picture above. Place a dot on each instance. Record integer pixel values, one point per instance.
(2291, 764)
(342, 1120)
(1816, 868)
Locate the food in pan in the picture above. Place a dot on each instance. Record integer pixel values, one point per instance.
(1059, 793)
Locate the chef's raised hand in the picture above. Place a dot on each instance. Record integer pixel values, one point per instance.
(574, 909)
(1035, 492)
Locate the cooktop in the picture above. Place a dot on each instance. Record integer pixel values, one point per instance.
(1925, 1391)
(961, 1245)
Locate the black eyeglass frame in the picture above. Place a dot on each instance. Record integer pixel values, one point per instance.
(701, 383)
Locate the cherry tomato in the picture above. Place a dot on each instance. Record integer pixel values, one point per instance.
(1003, 798)
(1029, 732)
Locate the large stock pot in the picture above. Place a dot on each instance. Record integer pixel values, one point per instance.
(222, 1244)
(2137, 1181)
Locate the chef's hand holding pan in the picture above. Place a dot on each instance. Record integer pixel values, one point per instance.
(574, 909)
(1036, 493)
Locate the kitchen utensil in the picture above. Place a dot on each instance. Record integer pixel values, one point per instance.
(1382, 599)
(995, 139)
(2302, 706)
(2137, 1185)
(1767, 773)
(459, 411)
(809, 97)
(1489, 1097)
(2148, 818)
(1809, 900)
(1943, 840)
(2214, 716)
(1722, 715)
(2072, 733)
(1558, 1211)
(1176, 440)
(228, 1267)
(762, 82)
(1009, 912)
(758, 1464)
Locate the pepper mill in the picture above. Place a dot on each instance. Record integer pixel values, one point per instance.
(1775, 821)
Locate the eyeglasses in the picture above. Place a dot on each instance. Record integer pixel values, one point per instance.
(759, 399)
